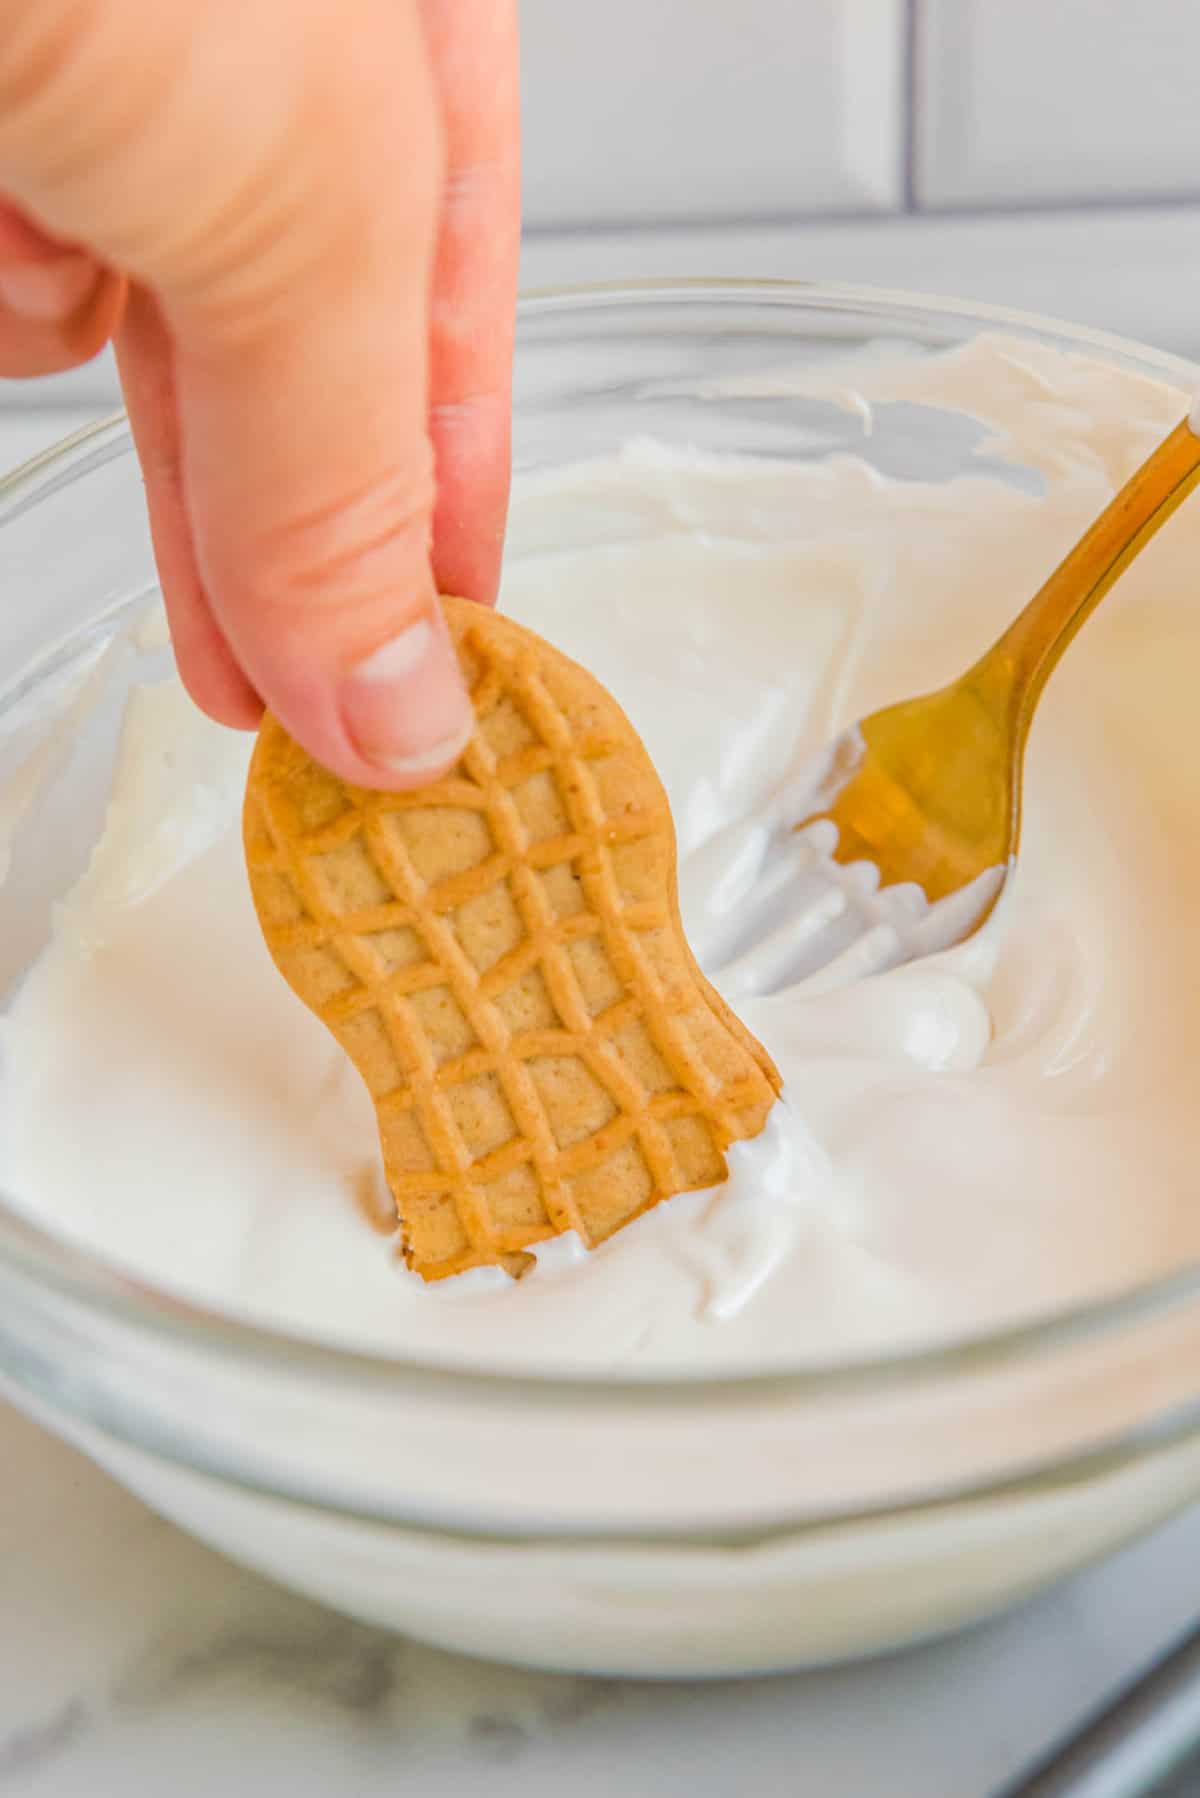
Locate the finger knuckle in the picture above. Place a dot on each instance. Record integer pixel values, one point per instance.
(347, 553)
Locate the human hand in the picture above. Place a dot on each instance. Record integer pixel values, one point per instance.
(299, 221)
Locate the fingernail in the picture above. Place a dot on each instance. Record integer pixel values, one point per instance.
(48, 292)
(405, 707)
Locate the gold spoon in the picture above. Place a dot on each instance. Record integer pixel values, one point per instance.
(924, 798)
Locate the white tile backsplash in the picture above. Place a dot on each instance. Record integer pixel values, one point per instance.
(1043, 100)
(644, 110)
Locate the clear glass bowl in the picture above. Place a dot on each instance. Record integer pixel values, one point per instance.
(860, 1505)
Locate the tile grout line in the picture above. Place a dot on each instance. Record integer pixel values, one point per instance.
(910, 97)
(1114, 206)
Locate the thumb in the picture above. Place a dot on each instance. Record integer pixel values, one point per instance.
(301, 391)
(286, 447)
(308, 481)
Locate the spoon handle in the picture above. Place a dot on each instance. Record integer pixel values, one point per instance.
(1030, 648)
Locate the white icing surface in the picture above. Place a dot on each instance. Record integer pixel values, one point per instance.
(1003, 1128)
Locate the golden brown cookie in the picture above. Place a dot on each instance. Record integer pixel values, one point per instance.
(502, 958)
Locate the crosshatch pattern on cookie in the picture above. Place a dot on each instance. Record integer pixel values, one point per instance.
(500, 955)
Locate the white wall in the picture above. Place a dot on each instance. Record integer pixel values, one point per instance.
(648, 110)
(700, 109)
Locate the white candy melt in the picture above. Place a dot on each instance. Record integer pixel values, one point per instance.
(1004, 1127)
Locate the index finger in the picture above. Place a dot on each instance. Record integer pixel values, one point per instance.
(473, 49)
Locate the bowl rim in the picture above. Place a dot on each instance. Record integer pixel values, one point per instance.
(36, 1255)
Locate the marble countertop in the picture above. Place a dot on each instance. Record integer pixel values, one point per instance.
(134, 1660)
